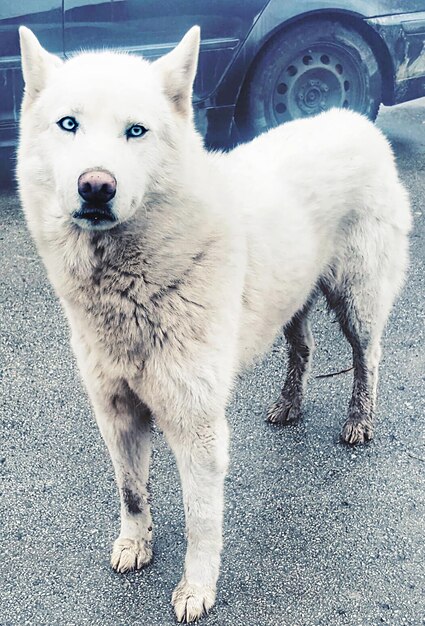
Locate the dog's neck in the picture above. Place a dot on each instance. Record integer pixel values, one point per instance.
(158, 245)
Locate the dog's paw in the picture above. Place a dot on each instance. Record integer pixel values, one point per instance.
(130, 554)
(190, 602)
(356, 430)
(284, 411)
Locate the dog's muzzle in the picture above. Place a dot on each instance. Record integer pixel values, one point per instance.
(97, 188)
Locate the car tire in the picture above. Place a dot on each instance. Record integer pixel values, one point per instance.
(310, 68)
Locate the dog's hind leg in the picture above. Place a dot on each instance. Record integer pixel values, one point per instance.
(125, 424)
(361, 292)
(300, 351)
(364, 334)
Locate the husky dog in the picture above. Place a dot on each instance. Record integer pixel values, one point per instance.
(176, 267)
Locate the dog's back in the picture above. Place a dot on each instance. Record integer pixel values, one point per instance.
(308, 192)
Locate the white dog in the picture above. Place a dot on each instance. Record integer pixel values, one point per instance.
(176, 266)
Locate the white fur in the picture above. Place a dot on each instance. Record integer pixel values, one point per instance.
(213, 254)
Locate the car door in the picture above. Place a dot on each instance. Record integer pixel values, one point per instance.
(44, 17)
(152, 28)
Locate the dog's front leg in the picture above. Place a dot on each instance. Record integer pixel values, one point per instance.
(125, 424)
(201, 450)
(124, 421)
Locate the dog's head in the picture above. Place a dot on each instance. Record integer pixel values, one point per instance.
(100, 131)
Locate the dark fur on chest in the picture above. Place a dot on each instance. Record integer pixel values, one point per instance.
(131, 307)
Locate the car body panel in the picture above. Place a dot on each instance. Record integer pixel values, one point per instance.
(143, 29)
(47, 23)
(404, 36)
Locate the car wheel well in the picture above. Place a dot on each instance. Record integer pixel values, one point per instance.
(348, 20)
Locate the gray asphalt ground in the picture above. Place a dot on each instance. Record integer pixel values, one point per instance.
(316, 534)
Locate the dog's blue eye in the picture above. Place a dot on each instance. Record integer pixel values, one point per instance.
(137, 130)
(69, 124)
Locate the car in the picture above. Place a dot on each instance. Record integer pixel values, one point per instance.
(262, 62)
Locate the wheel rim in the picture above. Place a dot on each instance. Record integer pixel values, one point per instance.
(320, 77)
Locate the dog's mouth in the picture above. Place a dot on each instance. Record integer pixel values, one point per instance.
(94, 215)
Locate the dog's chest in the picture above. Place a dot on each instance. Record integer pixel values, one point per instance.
(127, 318)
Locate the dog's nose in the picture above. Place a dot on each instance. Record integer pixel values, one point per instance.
(97, 186)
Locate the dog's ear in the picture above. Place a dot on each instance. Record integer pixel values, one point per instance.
(178, 69)
(37, 63)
